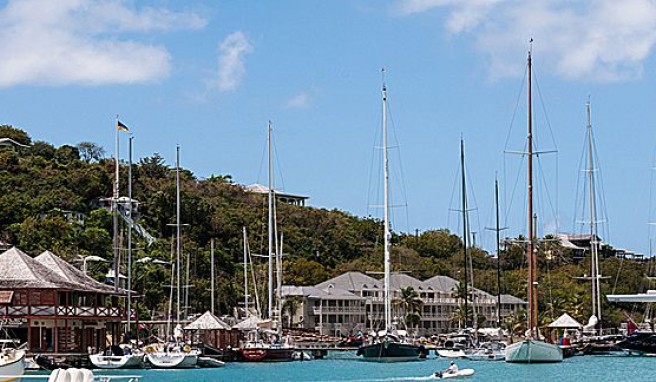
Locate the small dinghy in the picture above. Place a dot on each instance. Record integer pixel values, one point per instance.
(458, 374)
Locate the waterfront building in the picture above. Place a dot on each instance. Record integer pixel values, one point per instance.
(55, 307)
(354, 302)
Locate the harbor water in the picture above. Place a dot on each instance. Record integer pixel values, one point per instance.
(347, 367)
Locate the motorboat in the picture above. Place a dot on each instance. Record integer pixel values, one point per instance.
(448, 375)
(533, 351)
(11, 361)
(488, 351)
(117, 358)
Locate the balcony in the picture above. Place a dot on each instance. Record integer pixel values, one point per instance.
(63, 311)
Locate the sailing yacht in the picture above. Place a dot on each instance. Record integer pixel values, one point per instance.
(389, 348)
(174, 355)
(532, 349)
(275, 349)
(12, 360)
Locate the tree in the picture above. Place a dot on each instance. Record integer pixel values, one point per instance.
(90, 151)
(409, 305)
(290, 306)
(20, 136)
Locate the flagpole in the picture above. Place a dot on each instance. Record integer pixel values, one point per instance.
(115, 212)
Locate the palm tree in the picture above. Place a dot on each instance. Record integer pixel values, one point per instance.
(459, 314)
(409, 304)
(290, 305)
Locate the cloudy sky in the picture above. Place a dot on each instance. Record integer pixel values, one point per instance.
(209, 75)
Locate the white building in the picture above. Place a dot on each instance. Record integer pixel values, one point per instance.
(354, 301)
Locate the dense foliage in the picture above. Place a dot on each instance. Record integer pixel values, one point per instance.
(51, 198)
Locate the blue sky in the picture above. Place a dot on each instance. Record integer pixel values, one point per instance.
(208, 75)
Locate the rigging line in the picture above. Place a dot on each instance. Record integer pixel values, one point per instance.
(519, 97)
(546, 189)
(374, 187)
(514, 188)
(475, 203)
(544, 110)
(401, 173)
(453, 191)
(577, 194)
(602, 197)
(278, 167)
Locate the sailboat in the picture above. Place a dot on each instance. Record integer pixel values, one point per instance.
(174, 355)
(389, 348)
(257, 350)
(532, 349)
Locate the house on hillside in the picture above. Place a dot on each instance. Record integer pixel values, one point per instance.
(293, 199)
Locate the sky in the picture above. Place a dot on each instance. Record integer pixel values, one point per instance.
(209, 75)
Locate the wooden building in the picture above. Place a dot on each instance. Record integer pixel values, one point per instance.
(53, 306)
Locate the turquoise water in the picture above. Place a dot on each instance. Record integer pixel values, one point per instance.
(350, 368)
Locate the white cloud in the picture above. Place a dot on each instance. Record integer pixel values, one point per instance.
(299, 101)
(231, 60)
(603, 40)
(79, 42)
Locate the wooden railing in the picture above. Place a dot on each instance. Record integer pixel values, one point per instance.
(66, 311)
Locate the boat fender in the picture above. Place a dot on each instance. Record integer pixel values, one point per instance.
(150, 349)
(186, 348)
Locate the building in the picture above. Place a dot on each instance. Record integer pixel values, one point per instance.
(294, 200)
(53, 306)
(354, 301)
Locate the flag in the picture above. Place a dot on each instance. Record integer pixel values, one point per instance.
(121, 126)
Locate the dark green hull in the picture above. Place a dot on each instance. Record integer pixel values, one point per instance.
(389, 351)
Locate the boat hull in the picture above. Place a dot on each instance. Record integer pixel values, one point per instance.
(172, 360)
(389, 351)
(260, 354)
(13, 366)
(639, 343)
(531, 351)
(132, 361)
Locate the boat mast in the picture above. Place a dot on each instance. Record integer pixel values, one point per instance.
(115, 213)
(245, 274)
(532, 272)
(388, 308)
(130, 222)
(498, 229)
(212, 271)
(178, 244)
(464, 225)
(270, 222)
(596, 295)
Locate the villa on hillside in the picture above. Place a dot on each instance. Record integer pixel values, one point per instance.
(354, 301)
(293, 199)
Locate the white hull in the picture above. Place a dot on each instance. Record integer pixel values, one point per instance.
(460, 374)
(531, 351)
(116, 362)
(12, 365)
(483, 356)
(163, 360)
(448, 353)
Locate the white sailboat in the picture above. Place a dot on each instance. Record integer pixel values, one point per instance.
(256, 350)
(174, 355)
(389, 348)
(532, 349)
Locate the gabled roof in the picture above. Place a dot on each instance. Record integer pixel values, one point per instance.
(20, 271)
(72, 274)
(402, 280)
(351, 281)
(328, 293)
(207, 321)
(442, 283)
(509, 299)
(565, 322)
(249, 323)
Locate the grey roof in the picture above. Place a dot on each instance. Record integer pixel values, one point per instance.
(328, 293)
(402, 280)
(508, 299)
(11, 143)
(20, 271)
(351, 281)
(442, 283)
(72, 274)
(207, 321)
(249, 323)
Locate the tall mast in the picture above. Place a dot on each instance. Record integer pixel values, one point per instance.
(270, 223)
(596, 295)
(388, 308)
(212, 271)
(464, 225)
(245, 273)
(532, 279)
(279, 288)
(178, 248)
(129, 214)
(498, 229)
